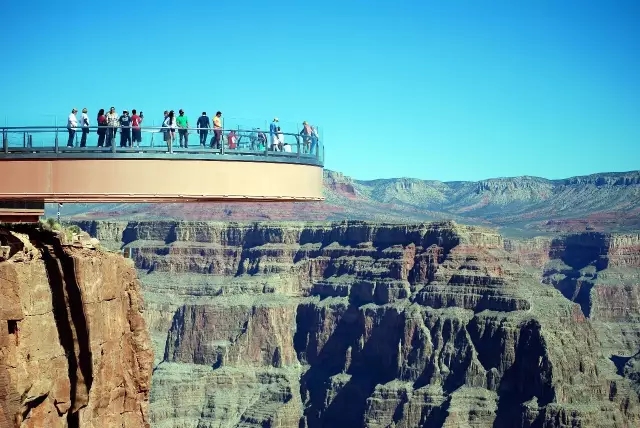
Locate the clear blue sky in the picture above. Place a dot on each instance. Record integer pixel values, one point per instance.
(446, 90)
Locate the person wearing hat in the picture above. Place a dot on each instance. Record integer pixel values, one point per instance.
(273, 132)
(72, 123)
(125, 129)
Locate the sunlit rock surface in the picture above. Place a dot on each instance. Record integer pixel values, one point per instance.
(380, 325)
(74, 347)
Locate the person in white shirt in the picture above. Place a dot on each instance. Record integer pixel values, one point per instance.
(84, 121)
(280, 139)
(286, 148)
(72, 123)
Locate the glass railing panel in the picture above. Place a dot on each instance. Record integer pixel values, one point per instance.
(241, 141)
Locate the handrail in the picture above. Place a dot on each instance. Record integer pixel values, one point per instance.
(305, 146)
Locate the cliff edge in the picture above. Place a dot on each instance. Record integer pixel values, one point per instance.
(74, 347)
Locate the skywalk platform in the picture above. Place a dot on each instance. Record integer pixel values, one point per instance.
(35, 170)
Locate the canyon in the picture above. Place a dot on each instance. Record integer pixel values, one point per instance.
(307, 324)
(75, 350)
(517, 206)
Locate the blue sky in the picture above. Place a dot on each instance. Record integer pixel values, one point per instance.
(446, 90)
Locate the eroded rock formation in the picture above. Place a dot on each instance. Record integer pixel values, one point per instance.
(74, 347)
(382, 325)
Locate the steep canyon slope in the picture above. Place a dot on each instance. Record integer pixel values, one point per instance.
(74, 348)
(602, 202)
(385, 325)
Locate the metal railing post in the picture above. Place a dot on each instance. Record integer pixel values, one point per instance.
(57, 142)
(5, 141)
(24, 139)
(298, 143)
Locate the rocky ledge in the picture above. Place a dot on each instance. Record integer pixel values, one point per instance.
(384, 325)
(74, 347)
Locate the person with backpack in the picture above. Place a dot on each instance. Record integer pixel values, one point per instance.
(203, 125)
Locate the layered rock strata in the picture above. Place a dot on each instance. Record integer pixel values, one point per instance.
(74, 347)
(359, 324)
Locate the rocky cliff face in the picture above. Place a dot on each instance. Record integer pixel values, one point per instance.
(74, 348)
(378, 325)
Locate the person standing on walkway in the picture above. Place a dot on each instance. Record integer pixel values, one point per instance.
(203, 128)
(135, 130)
(169, 125)
(183, 128)
(280, 136)
(112, 126)
(217, 130)
(306, 136)
(273, 133)
(315, 139)
(102, 127)
(125, 129)
(84, 120)
(72, 123)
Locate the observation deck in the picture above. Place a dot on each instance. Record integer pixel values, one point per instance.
(37, 166)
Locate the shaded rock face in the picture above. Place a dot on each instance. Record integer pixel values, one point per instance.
(74, 348)
(378, 325)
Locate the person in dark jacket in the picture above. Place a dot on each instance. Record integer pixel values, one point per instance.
(203, 128)
(102, 127)
(125, 129)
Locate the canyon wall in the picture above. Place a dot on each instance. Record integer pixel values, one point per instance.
(74, 347)
(360, 324)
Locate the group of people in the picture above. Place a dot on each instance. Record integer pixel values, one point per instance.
(108, 124)
(171, 122)
(131, 132)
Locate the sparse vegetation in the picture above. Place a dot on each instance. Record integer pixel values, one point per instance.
(51, 224)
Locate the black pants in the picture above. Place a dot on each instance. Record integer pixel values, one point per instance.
(111, 135)
(72, 134)
(203, 137)
(83, 140)
(101, 136)
(184, 133)
(137, 135)
(125, 137)
(217, 138)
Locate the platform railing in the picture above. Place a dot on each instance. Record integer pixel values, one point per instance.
(47, 140)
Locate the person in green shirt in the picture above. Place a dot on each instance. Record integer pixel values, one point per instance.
(182, 122)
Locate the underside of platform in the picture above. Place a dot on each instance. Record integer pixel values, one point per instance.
(20, 211)
(150, 180)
